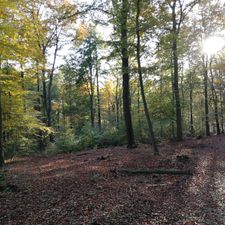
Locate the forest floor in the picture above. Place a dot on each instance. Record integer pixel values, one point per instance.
(89, 188)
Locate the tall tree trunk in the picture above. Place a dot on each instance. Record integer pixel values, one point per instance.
(98, 100)
(176, 75)
(63, 108)
(121, 106)
(91, 95)
(207, 129)
(191, 109)
(182, 88)
(1, 132)
(161, 99)
(139, 108)
(126, 78)
(44, 91)
(44, 86)
(117, 103)
(215, 101)
(49, 101)
(147, 113)
(172, 101)
(38, 107)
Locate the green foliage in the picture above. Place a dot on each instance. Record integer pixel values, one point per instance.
(88, 138)
(27, 35)
(21, 146)
(65, 142)
(68, 141)
(112, 137)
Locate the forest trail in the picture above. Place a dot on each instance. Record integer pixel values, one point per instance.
(201, 199)
(87, 187)
(204, 195)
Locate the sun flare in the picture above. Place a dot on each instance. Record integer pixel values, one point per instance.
(212, 45)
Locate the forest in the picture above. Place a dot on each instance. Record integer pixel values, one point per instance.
(109, 108)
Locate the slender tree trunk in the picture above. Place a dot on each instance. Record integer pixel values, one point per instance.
(176, 75)
(117, 103)
(215, 102)
(92, 110)
(49, 101)
(44, 90)
(63, 108)
(161, 99)
(182, 88)
(1, 132)
(216, 114)
(121, 106)
(173, 101)
(147, 113)
(98, 101)
(191, 110)
(207, 129)
(91, 94)
(38, 107)
(139, 108)
(125, 72)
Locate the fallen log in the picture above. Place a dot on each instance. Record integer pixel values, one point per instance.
(156, 171)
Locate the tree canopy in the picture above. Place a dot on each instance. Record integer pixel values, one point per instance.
(81, 75)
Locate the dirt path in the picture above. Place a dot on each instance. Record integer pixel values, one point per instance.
(204, 195)
(85, 188)
(201, 199)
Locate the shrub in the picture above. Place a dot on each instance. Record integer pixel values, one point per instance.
(88, 138)
(113, 137)
(65, 141)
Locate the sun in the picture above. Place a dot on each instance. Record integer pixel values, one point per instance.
(212, 45)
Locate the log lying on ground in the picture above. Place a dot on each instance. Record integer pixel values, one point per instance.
(156, 171)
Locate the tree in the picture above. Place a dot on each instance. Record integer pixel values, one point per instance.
(178, 13)
(50, 26)
(87, 67)
(19, 120)
(138, 47)
(125, 73)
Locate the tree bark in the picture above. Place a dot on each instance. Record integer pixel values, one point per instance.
(117, 103)
(45, 97)
(38, 107)
(125, 72)
(98, 100)
(91, 95)
(139, 108)
(49, 102)
(207, 129)
(172, 102)
(176, 74)
(147, 113)
(215, 101)
(191, 111)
